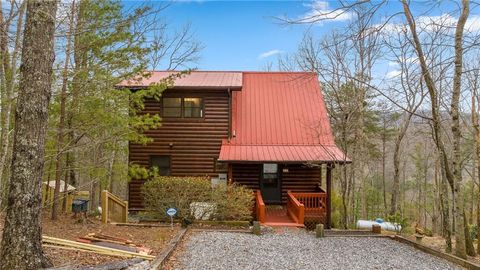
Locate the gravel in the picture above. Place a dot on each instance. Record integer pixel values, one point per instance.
(300, 250)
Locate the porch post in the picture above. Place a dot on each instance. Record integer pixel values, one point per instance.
(321, 175)
(230, 174)
(329, 201)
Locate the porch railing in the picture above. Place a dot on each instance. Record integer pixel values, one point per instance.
(315, 203)
(259, 207)
(295, 209)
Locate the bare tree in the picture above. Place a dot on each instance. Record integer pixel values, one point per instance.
(407, 87)
(454, 177)
(173, 51)
(21, 246)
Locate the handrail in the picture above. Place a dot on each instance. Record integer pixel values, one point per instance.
(295, 209)
(314, 202)
(259, 207)
(322, 190)
(113, 208)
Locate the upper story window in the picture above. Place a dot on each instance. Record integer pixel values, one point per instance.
(192, 107)
(187, 107)
(172, 107)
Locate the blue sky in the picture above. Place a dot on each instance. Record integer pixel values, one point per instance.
(244, 35)
(236, 33)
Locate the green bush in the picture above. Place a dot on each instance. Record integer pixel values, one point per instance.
(234, 202)
(220, 202)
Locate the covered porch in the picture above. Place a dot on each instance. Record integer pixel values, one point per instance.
(299, 209)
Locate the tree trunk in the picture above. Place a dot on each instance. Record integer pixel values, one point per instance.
(9, 71)
(384, 154)
(468, 240)
(21, 246)
(476, 130)
(460, 248)
(447, 232)
(61, 124)
(396, 164)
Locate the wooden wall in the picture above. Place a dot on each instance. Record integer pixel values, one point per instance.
(196, 141)
(299, 178)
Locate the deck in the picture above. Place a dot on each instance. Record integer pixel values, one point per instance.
(300, 207)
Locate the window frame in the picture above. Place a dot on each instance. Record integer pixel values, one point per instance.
(219, 167)
(151, 157)
(268, 180)
(182, 108)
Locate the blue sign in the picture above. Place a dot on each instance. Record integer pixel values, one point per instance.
(171, 212)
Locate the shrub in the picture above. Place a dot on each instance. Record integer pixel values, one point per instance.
(220, 202)
(234, 202)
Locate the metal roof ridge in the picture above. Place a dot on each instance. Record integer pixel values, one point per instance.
(277, 144)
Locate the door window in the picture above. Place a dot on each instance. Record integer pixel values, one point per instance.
(270, 175)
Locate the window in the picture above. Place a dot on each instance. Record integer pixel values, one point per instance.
(192, 107)
(172, 107)
(270, 174)
(219, 166)
(188, 107)
(161, 163)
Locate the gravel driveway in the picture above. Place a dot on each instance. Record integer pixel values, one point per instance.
(300, 250)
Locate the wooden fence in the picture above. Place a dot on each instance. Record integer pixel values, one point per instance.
(114, 209)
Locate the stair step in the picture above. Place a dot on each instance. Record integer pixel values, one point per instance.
(283, 224)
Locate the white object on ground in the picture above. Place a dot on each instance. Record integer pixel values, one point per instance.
(388, 226)
(202, 210)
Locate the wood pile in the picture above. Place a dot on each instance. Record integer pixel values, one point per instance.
(101, 244)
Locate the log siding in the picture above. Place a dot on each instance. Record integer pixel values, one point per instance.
(192, 143)
(299, 178)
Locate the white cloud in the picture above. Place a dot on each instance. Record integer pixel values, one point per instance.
(393, 74)
(269, 53)
(320, 11)
(433, 23)
(393, 64)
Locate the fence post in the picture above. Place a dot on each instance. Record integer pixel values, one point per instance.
(104, 206)
(319, 231)
(256, 228)
(125, 213)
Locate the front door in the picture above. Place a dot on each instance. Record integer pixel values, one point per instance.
(271, 184)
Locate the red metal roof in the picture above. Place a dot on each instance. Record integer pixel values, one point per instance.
(280, 116)
(196, 79)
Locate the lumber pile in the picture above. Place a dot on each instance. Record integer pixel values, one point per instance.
(109, 249)
(114, 242)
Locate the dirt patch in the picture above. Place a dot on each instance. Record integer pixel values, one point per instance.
(66, 227)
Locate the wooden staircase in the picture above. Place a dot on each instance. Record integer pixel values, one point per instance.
(277, 216)
(299, 206)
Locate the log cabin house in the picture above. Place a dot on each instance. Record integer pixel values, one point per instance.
(268, 131)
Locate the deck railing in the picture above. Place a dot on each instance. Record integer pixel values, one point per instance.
(259, 206)
(295, 209)
(315, 202)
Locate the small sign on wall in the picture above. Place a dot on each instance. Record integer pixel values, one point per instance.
(285, 170)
